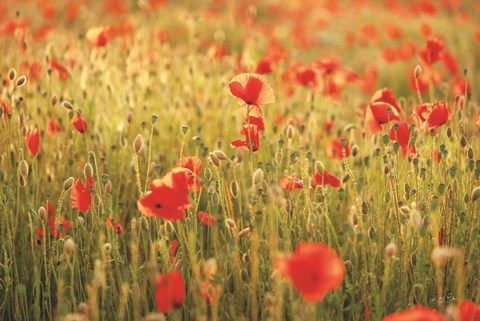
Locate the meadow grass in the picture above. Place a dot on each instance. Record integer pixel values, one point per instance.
(175, 96)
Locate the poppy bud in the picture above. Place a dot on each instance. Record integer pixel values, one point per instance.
(319, 168)
(138, 144)
(214, 159)
(210, 268)
(21, 81)
(354, 150)
(80, 220)
(234, 188)
(54, 100)
(154, 119)
(108, 186)
(184, 129)
(418, 71)
(67, 105)
(245, 231)
(69, 246)
(475, 194)
(12, 74)
(83, 309)
(463, 141)
(220, 155)
(88, 170)
(391, 250)
(108, 248)
(129, 118)
(42, 213)
(470, 153)
(231, 223)
(23, 168)
(290, 132)
(67, 185)
(258, 176)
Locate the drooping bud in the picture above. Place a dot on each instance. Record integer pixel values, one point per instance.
(67, 185)
(138, 143)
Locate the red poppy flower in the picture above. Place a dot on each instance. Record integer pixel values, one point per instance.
(207, 219)
(306, 77)
(194, 166)
(325, 179)
(417, 313)
(252, 140)
(169, 291)
(290, 183)
(59, 226)
(450, 62)
(79, 123)
(386, 95)
(433, 115)
(54, 127)
(468, 311)
(251, 89)
(115, 225)
(335, 149)
(33, 140)
(168, 196)
(60, 69)
(401, 134)
(5, 109)
(432, 52)
(80, 196)
(40, 236)
(257, 121)
(314, 269)
(263, 67)
(379, 113)
(208, 292)
(97, 36)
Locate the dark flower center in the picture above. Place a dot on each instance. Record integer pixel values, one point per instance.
(158, 206)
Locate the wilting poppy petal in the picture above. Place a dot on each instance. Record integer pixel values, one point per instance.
(417, 313)
(169, 291)
(314, 269)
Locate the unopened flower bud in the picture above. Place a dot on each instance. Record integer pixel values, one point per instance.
(418, 71)
(21, 81)
(67, 185)
(69, 246)
(42, 213)
(88, 170)
(23, 168)
(138, 144)
(391, 250)
(214, 159)
(258, 176)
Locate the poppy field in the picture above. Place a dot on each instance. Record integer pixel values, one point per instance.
(240, 160)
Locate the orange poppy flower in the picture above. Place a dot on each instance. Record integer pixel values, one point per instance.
(115, 225)
(314, 269)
